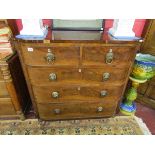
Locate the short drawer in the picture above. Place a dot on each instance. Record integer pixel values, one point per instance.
(111, 75)
(47, 76)
(73, 93)
(50, 76)
(3, 89)
(101, 55)
(77, 110)
(50, 56)
(6, 107)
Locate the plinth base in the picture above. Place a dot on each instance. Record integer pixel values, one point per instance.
(128, 109)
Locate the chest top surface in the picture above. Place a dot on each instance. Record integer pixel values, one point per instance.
(60, 36)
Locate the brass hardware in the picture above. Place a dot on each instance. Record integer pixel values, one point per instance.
(99, 109)
(49, 56)
(55, 94)
(106, 76)
(103, 93)
(79, 70)
(57, 111)
(46, 41)
(52, 76)
(109, 57)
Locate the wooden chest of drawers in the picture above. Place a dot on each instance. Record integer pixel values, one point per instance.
(76, 79)
(14, 96)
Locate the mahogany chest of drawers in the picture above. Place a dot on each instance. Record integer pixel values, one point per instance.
(14, 96)
(76, 79)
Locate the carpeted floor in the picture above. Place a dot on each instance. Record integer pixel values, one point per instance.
(120, 125)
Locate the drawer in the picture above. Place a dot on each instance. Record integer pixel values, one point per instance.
(50, 56)
(3, 89)
(50, 76)
(77, 110)
(106, 75)
(73, 93)
(6, 107)
(46, 75)
(102, 55)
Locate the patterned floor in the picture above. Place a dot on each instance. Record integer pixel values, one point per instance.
(120, 125)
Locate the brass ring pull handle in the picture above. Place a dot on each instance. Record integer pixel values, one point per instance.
(52, 77)
(49, 56)
(106, 76)
(109, 57)
(57, 111)
(55, 94)
(99, 109)
(103, 93)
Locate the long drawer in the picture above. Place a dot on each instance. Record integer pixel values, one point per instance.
(49, 111)
(50, 76)
(73, 93)
(6, 107)
(51, 56)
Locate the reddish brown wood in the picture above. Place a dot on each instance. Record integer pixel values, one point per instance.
(107, 39)
(63, 55)
(79, 66)
(74, 93)
(41, 75)
(75, 110)
(96, 55)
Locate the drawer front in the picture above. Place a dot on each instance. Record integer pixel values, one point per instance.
(6, 107)
(100, 56)
(73, 93)
(76, 110)
(106, 75)
(46, 76)
(3, 89)
(50, 76)
(51, 56)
